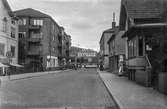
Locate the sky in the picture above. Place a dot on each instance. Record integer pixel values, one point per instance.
(84, 20)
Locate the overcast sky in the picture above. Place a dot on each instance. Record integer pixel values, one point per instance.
(84, 20)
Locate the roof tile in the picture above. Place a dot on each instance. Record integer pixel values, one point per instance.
(144, 8)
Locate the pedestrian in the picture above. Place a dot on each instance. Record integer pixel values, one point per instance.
(101, 67)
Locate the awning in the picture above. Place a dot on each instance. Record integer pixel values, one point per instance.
(15, 65)
(3, 65)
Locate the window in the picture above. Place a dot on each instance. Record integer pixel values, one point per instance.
(37, 22)
(54, 38)
(2, 49)
(36, 34)
(5, 25)
(13, 32)
(22, 34)
(13, 22)
(140, 46)
(132, 48)
(22, 21)
(53, 27)
(13, 51)
(54, 49)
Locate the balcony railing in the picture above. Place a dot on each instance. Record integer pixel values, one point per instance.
(34, 27)
(137, 63)
(34, 40)
(34, 52)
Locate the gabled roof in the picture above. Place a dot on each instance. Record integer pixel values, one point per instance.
(144, 8)
(110, 30)
(116, 30)
(6, 4)
(31, 13)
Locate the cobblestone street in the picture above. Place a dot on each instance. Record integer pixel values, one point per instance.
(80, 89)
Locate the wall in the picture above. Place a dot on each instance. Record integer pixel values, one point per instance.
(120, 43)
(50, 45)
(106, 49)
(106, 46)
(5, 38)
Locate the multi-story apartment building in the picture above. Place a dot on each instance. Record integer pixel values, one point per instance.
(67, 44)
(64, 44)
(8, 35)
(40, 40)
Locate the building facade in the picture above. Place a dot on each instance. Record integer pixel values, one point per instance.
(87, 57)
(116, 51)
(8, 35)
(40, 40)
(83, 56)
(64, 41)
(104, 47)
(145, 41)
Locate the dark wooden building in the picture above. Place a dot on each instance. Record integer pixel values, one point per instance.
(145, 31)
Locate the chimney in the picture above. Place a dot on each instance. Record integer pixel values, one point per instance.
(113, 23)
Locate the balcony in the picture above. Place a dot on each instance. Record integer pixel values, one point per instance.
(34, 27)
(34, 52)
(34, 40)
(139, 63)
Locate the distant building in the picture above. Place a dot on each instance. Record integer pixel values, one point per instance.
(116, 50)
(83, 56)
(40, 40)
(86, 54)
(64, 44)
(104, 47)
(8, 35)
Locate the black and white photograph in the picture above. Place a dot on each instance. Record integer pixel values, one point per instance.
(83, 54)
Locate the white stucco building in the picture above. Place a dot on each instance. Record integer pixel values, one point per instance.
(8, 34)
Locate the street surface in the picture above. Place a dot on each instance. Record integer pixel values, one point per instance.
(79, 89)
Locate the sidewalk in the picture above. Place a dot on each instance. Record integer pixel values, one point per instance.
(27, 75)
(130, 95)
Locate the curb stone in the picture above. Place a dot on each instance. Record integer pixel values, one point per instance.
(42, 74)
(118, 103)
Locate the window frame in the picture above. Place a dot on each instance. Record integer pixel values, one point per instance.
(13, 51)
(2, 49)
